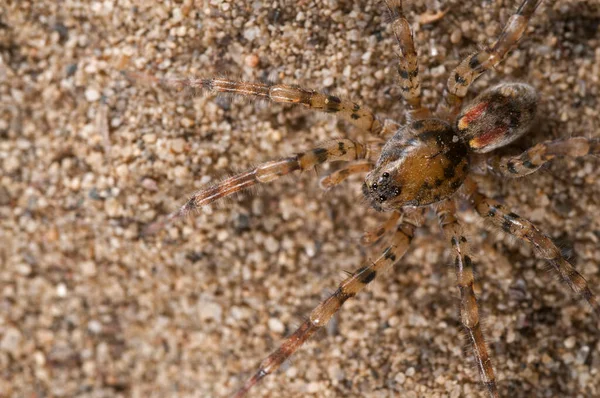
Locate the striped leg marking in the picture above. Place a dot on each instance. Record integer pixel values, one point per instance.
(408, 62)
(347, 110)
(469, 310)
(469, 69)
(342, 149)
(319, 317)
(532, 159)
(515, 225)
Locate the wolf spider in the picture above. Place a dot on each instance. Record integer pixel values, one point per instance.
(426, 163)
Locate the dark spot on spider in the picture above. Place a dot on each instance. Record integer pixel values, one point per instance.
(342, 295)
(459, 79)
(355, 116)
(465, 167)
(455, 184)
(403, 73)
(320, 154)
(449, 172)
(506, 226)
(418, 125)
(366, 275)
(190, 205)
(474, 62)
(511, 167)
(438, 182)
(513, 216)
(468, 261)
(463, 239)
(334, 99)
(207, 84)
(437, 198)
(342, 148)
(453, 241)
(529, 165)
(404, 88)
(356, 107)
(389, 254)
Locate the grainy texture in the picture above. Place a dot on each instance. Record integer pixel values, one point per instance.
(87, 160)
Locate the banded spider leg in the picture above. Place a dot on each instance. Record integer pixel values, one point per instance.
(521, 228)
(347, 289)
(473, 66)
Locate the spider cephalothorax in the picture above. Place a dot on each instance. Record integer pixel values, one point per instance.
(425, 162)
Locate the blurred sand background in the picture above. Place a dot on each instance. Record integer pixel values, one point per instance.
(90, 309)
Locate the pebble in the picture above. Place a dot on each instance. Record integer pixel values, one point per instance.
(276, 326)
(210, 310)
(178, 145)
(92, 95)
(252, 60)
(570, 342)
(328, 81)
(11, 340)
(400, 378)
(456, 36)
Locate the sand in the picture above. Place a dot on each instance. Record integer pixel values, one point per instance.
(88, 307)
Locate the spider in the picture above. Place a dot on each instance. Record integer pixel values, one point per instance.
(426, 163)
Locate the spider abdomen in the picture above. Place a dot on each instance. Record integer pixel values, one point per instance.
(497, 116)
(423, 163)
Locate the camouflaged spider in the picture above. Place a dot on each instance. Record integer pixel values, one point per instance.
(426, 163)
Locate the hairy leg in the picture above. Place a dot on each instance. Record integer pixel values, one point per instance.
(408, 62)
(515, 225)
(326, 309)
(469, 311)
(342, 149)
(475, 64)
(533, 158)
(347, 110)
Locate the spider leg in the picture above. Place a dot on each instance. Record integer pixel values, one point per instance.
(373, 235)
(408, 62)
(469, 311)
(523, 229)
(327, 308)
(470, 68)
(338, 176)
(342, 149)
(347, 110)
(533, 158)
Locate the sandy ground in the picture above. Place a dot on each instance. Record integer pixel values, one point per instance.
(88, 308)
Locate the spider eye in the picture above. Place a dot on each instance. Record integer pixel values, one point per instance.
(385, 175)
(374, 186)
(397, 191)
(382, 198)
